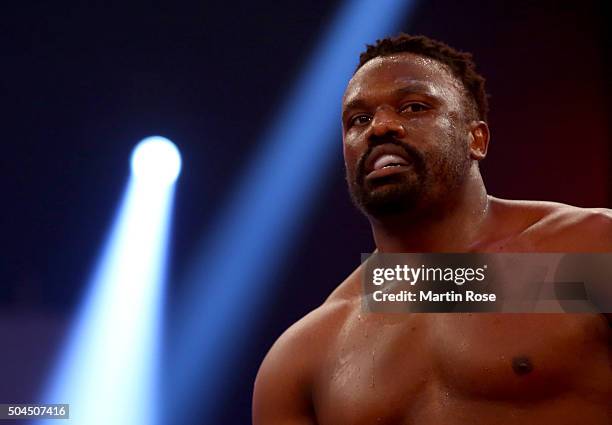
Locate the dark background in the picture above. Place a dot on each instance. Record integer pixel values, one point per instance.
(83, 82)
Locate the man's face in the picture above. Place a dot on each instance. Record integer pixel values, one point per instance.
(405, 134)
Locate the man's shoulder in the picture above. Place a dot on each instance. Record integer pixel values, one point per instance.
(319, 324)
(307, 339)
(282, 390)
(555, 226)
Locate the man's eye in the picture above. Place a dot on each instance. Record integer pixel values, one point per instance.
(414, 107)
(360, 120)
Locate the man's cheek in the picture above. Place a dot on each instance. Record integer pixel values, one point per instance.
(352, 138)
(351, 155)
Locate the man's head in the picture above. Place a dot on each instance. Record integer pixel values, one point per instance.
(413, 125)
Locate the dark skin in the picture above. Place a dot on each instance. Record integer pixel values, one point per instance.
(340, 365)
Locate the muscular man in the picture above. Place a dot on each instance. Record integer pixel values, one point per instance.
(414, 131)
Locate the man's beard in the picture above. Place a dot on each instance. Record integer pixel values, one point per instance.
(412, 189)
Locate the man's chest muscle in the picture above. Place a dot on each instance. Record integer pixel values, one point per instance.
(383, 367)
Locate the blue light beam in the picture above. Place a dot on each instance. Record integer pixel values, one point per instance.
(231, 276)
(107, 371)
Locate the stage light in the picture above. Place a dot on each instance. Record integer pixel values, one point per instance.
(156, 159)
(232, 274)
(108, 368)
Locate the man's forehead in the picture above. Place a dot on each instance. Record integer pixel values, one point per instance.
(397, 71)
(400, 85)
(401, 58)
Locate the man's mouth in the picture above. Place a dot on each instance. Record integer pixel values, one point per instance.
(389, 160)
(385, 160)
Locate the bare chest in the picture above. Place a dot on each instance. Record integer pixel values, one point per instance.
(386, 368)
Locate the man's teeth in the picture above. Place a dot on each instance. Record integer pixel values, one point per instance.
(389, 160)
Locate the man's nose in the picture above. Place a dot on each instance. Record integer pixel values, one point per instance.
(386, 121)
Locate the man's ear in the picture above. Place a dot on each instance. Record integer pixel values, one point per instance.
(479, 139)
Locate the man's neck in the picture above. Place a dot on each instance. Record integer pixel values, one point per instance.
(455, 227)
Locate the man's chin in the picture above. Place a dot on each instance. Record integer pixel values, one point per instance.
(387, 201)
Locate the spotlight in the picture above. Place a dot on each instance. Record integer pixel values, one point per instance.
(108, 367)
(156, 159)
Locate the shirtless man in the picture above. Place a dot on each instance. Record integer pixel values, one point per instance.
(414, 131)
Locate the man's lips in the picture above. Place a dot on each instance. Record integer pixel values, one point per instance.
(387, 171)
(385, 160)
(388, 160)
